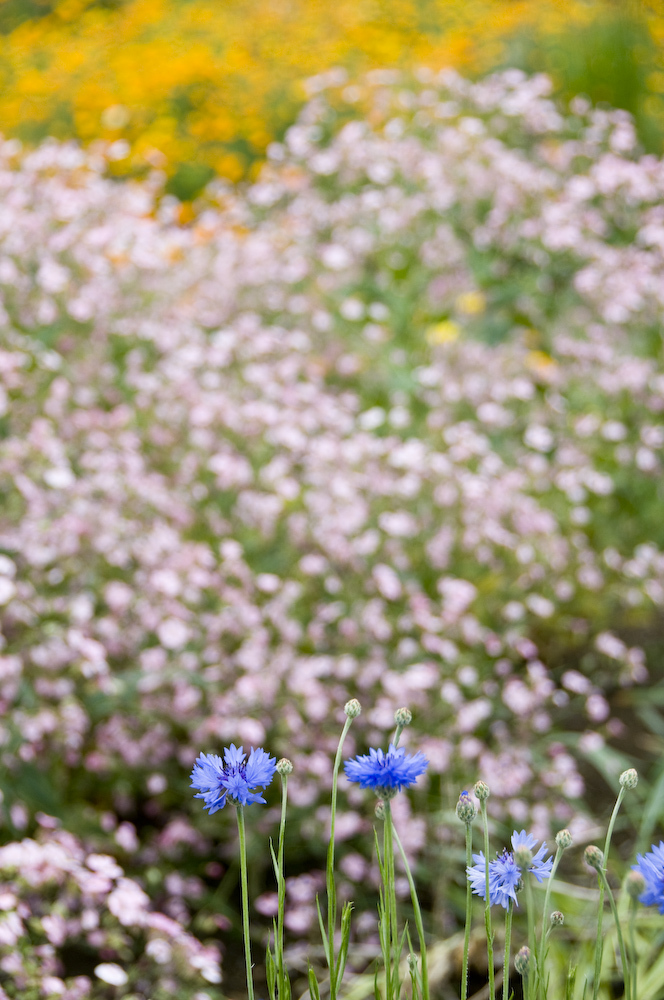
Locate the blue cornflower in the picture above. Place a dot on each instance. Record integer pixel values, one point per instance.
(387, 773)
(504, 873)
(651, 867)
(216, 778)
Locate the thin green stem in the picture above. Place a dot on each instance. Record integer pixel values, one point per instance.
(534, 971)
(506, 959)
(469, 908)
(599, 943)
(329, 877)
(632, 946)
(541, 958)
(391, 896)
(385, 915)
(621, 943)
(245, 901)
(487, 905)
(418, 917)
(281, 891)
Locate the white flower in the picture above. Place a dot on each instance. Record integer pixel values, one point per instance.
(111, 973)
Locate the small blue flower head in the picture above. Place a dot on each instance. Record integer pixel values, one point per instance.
(387, 773)
(504, 873)
(651, 867)
(217, 779)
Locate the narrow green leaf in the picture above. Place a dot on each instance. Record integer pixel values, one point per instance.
(376, 987)
(321, 924)
(313, 985)
(346, 914)
(275, 863)
(271, 974)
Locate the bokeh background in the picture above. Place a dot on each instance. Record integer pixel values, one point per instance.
(330, 367)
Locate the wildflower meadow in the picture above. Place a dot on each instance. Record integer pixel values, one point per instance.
(332, 558)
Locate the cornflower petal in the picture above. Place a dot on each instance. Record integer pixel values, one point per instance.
(392, 770)
(260, 768)
(504, 873)
(523, 839)
(234, 756)
(216, 779)
(651, 867)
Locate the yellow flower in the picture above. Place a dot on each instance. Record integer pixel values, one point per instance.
(214, 83)
(471, 303)
(444, 332)
(541, 364)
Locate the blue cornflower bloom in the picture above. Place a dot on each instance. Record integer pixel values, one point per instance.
(651, 866)
(504, 873)
(387, 773)
(216, 779)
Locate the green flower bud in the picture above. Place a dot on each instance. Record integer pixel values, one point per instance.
(465, 808)
(564, 839)
(523, 857)
(482, 791)
(635, 884)
(593, 857)
(284, 767)
(629, 778)
(557, 918)
(352, 708)
(380, 811)
(522, 960)
(403, 717)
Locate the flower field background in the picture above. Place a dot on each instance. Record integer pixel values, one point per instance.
(218, 82)
(385, 423)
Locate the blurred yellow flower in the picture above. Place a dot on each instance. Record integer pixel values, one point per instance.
(541, 363)
(212, 84)
(444, 332)
(471, 303)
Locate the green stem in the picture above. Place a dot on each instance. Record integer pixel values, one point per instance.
(632, 945)
(541, 958)
(281, 889)
(329, 878)
(621, 943)
(469, 907)
(385, 915)
(245, 901)
(391, 896)
(506, 959)
(534, 975)
(418, 917)
(599, 943)
(487, 905)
